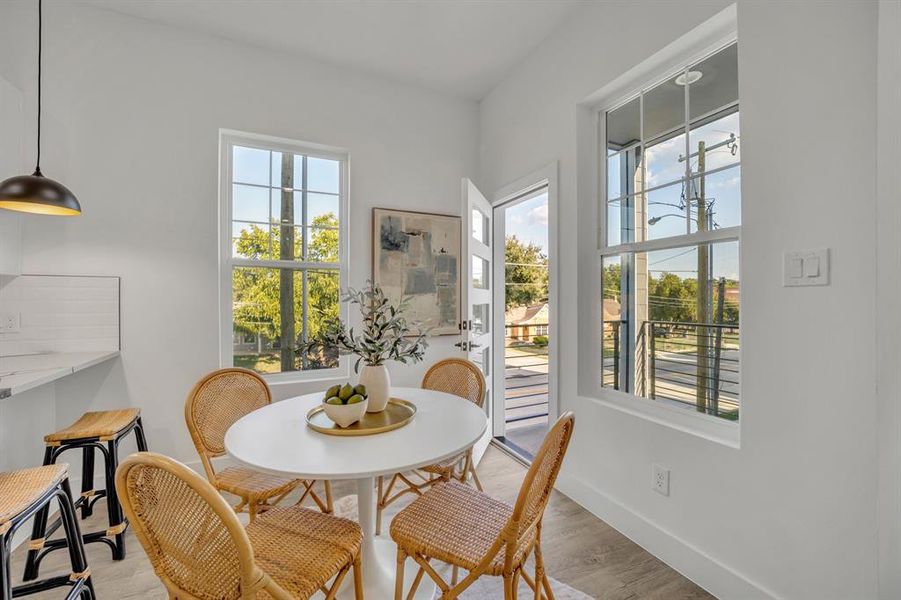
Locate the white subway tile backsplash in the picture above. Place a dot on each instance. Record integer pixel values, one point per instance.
(61, 314)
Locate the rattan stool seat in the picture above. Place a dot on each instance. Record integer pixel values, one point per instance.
(102, 424)
(20, 489)
(320, 545)
(253, 485)
(453, 523)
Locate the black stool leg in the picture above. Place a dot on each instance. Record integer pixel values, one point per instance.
(73, 535)
(139, 433)
(39, 529)
(87, 481)
(114, 509)
(6, 576)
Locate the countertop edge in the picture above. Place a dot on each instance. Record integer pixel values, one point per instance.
(51, 374)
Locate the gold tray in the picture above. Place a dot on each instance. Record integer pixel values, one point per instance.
(396, 414)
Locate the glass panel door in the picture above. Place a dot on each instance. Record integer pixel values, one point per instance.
(477, 260)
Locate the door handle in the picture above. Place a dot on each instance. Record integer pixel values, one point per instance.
(461, 345)
(471, 345)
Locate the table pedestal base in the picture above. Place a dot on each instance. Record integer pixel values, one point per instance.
(380, 557)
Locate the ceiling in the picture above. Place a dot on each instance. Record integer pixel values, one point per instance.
(460, 47)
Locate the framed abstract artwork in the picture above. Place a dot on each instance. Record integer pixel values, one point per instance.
(416, 256)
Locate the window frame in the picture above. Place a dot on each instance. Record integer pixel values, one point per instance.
(228, 139)
(676, 59)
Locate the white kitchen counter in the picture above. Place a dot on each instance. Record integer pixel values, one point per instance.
(21, 373)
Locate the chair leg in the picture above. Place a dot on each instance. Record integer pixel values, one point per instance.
(139, 434)
(358, 578)
(113, 508)
(38, 531)
(87, 481)
(75, 545)
(541, 580)
(508, 587)
(6, 576)
(329, 504)
(399, 575)
(475, 476)
(455, 573)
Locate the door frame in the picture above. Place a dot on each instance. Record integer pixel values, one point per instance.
(545, 176)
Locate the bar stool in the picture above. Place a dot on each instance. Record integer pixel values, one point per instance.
(24, 493)
(102, 431)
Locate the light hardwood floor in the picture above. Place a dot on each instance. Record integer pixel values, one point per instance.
(580, 550)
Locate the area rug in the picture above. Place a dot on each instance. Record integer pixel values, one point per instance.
(492, 588)
(486, 588)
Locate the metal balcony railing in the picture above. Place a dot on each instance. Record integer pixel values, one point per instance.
(685, 363)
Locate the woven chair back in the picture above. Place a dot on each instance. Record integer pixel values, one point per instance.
(191, 535)
(539, 481)
(217, 401)
(457, 376)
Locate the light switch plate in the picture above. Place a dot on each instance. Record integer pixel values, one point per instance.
(802, 268)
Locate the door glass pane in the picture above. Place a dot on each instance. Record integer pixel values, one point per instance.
(481, 357)
(479, 273)
(479, 226)
(480, 319)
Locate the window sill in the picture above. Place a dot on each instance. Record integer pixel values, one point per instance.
(299, 377)
(714, 429)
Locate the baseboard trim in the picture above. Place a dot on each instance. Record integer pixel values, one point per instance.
(720, 580)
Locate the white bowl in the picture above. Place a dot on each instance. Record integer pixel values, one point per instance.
(345, 415)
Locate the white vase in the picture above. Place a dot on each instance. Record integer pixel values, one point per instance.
(378, 386)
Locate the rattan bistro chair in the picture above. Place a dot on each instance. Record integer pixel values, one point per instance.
(200, 550)
(455, 524)
(215, 404)
(455, 376)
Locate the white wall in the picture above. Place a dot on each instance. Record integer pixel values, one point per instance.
(792, 513)
(132, 118)
(888, 224)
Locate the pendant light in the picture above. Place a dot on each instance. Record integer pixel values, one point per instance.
(35, 193)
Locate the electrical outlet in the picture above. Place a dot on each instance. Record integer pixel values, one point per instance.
(660, 479)
(10, 322)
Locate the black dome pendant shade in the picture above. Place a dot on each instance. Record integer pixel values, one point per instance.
(35, 193)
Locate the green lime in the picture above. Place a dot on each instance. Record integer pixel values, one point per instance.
(361, 389)
(334, 400)
(333, 391)
(346, 392)
(355, 399)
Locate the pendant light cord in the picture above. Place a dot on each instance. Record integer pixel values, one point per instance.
(37, 168)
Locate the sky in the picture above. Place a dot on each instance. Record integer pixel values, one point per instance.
(528, 221)
(666, 203)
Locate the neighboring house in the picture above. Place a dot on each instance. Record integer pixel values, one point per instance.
(523, 323)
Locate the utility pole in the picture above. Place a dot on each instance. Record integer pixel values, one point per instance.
(703, 370)
(286, 252)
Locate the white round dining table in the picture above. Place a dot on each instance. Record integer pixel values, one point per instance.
(275, 439)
